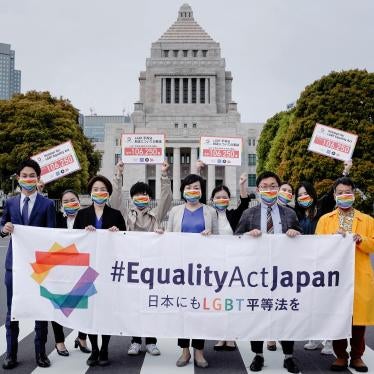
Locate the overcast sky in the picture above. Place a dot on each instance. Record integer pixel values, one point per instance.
(91, 51)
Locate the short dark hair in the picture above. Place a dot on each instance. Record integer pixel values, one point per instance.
(220, 188)
(141, 188)
(100, 178)
(267, 174)
(70, 191)
(193, 178)
(300, 211)
(344, 180)
(31, 164)
(288, 184)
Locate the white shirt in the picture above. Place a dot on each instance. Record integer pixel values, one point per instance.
(275, 215)
(224, 227)
(70, 222)
(32, 198)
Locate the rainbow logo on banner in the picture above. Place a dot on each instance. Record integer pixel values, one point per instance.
(58, 255)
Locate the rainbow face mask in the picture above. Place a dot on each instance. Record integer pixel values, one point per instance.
(141, 202)
(28, 184)
(305, 201)
(269, 197)
(221, 204)
(71, 208)
(345, 201)
(192, 196)
(100, 198)
(284, 197)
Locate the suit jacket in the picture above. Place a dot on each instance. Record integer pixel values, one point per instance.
(61, 221)
(42, 215)
(111, 217)
(251, 219)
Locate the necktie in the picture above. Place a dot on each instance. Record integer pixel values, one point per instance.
(269, 222)
(25, 211)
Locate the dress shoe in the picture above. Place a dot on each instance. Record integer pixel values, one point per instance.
(257, 363)
(290, 364)
(201, 364)
(183, 361)
(10, 363)
(42, 360)
(64, 352)
(340, 364)
(83, 349)
(271, 347)
(220, 346)
(93, 360)
(230, 348)
(358, 365)
(103, 358)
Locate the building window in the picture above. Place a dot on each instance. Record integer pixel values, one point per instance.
(202, 90)
(251, 180)
(185, 90)
(251, 159)
(176, 90)
(166, 53)
(175, 125)
(194, 53)
(117, 142)
(175, 53)
(168, 90)
(193, 83)
(117, 158)
(185, 125)
(185, 53)
(204, 52)
(251, 141)
(194, 125)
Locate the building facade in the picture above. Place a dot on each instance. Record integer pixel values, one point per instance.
(10, 79)
(186, 93)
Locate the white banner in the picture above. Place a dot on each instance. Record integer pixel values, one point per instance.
(185, 285)
(222, 151)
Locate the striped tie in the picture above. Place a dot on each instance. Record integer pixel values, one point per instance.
(269, 222)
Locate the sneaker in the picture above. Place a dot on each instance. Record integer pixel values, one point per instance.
(134, 349)
(327, 348)
(152, 349)
(311, 345)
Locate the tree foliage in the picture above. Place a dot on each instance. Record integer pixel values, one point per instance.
(344, 100)
(33, 122)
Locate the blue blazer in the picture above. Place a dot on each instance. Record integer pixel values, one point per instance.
(42, 215)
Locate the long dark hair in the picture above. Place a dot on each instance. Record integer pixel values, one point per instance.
(193, 178)
(300, 211)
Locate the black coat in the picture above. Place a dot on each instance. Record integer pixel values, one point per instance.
(61, 221)
(111, 217)
(234, 215)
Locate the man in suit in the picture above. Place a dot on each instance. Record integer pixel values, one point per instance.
(271, 218)
(30, 209)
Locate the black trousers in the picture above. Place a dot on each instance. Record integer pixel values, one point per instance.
(287, 346)
(196, 343)
(104, 342)
(137, 339)
(58, 331)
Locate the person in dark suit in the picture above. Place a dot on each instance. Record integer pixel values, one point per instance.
(29, 209)
(99, 216)
(271, 218)
(65, 218)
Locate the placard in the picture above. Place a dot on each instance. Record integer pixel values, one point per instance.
(221, 151)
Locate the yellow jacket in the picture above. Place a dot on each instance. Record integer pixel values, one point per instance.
(363, 304)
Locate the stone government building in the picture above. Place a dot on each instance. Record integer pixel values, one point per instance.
(185, 93)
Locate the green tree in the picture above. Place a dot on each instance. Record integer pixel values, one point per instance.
(36, 121)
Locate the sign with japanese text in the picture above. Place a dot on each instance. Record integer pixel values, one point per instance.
(57, 162)
(332, 142)
(143, 148)
(185, 285)
(221, 151)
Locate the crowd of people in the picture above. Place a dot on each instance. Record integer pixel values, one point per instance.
(281, 209)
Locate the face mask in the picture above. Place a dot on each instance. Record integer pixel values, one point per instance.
(221, 204)
(345, 201)
(71, 208)
(100, 198)
(269, 197)
(305, 201)
(28, 184)
(192, 196)
(284, 197)
(141, 202)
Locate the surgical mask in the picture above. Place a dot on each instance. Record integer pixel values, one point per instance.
(100, 198)
(269, 197)
(71, 208)
(345, 201)
(305, 201)
(28, 184)
(221, 204)
(192, 196)
(141, 202)
(284, 197)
